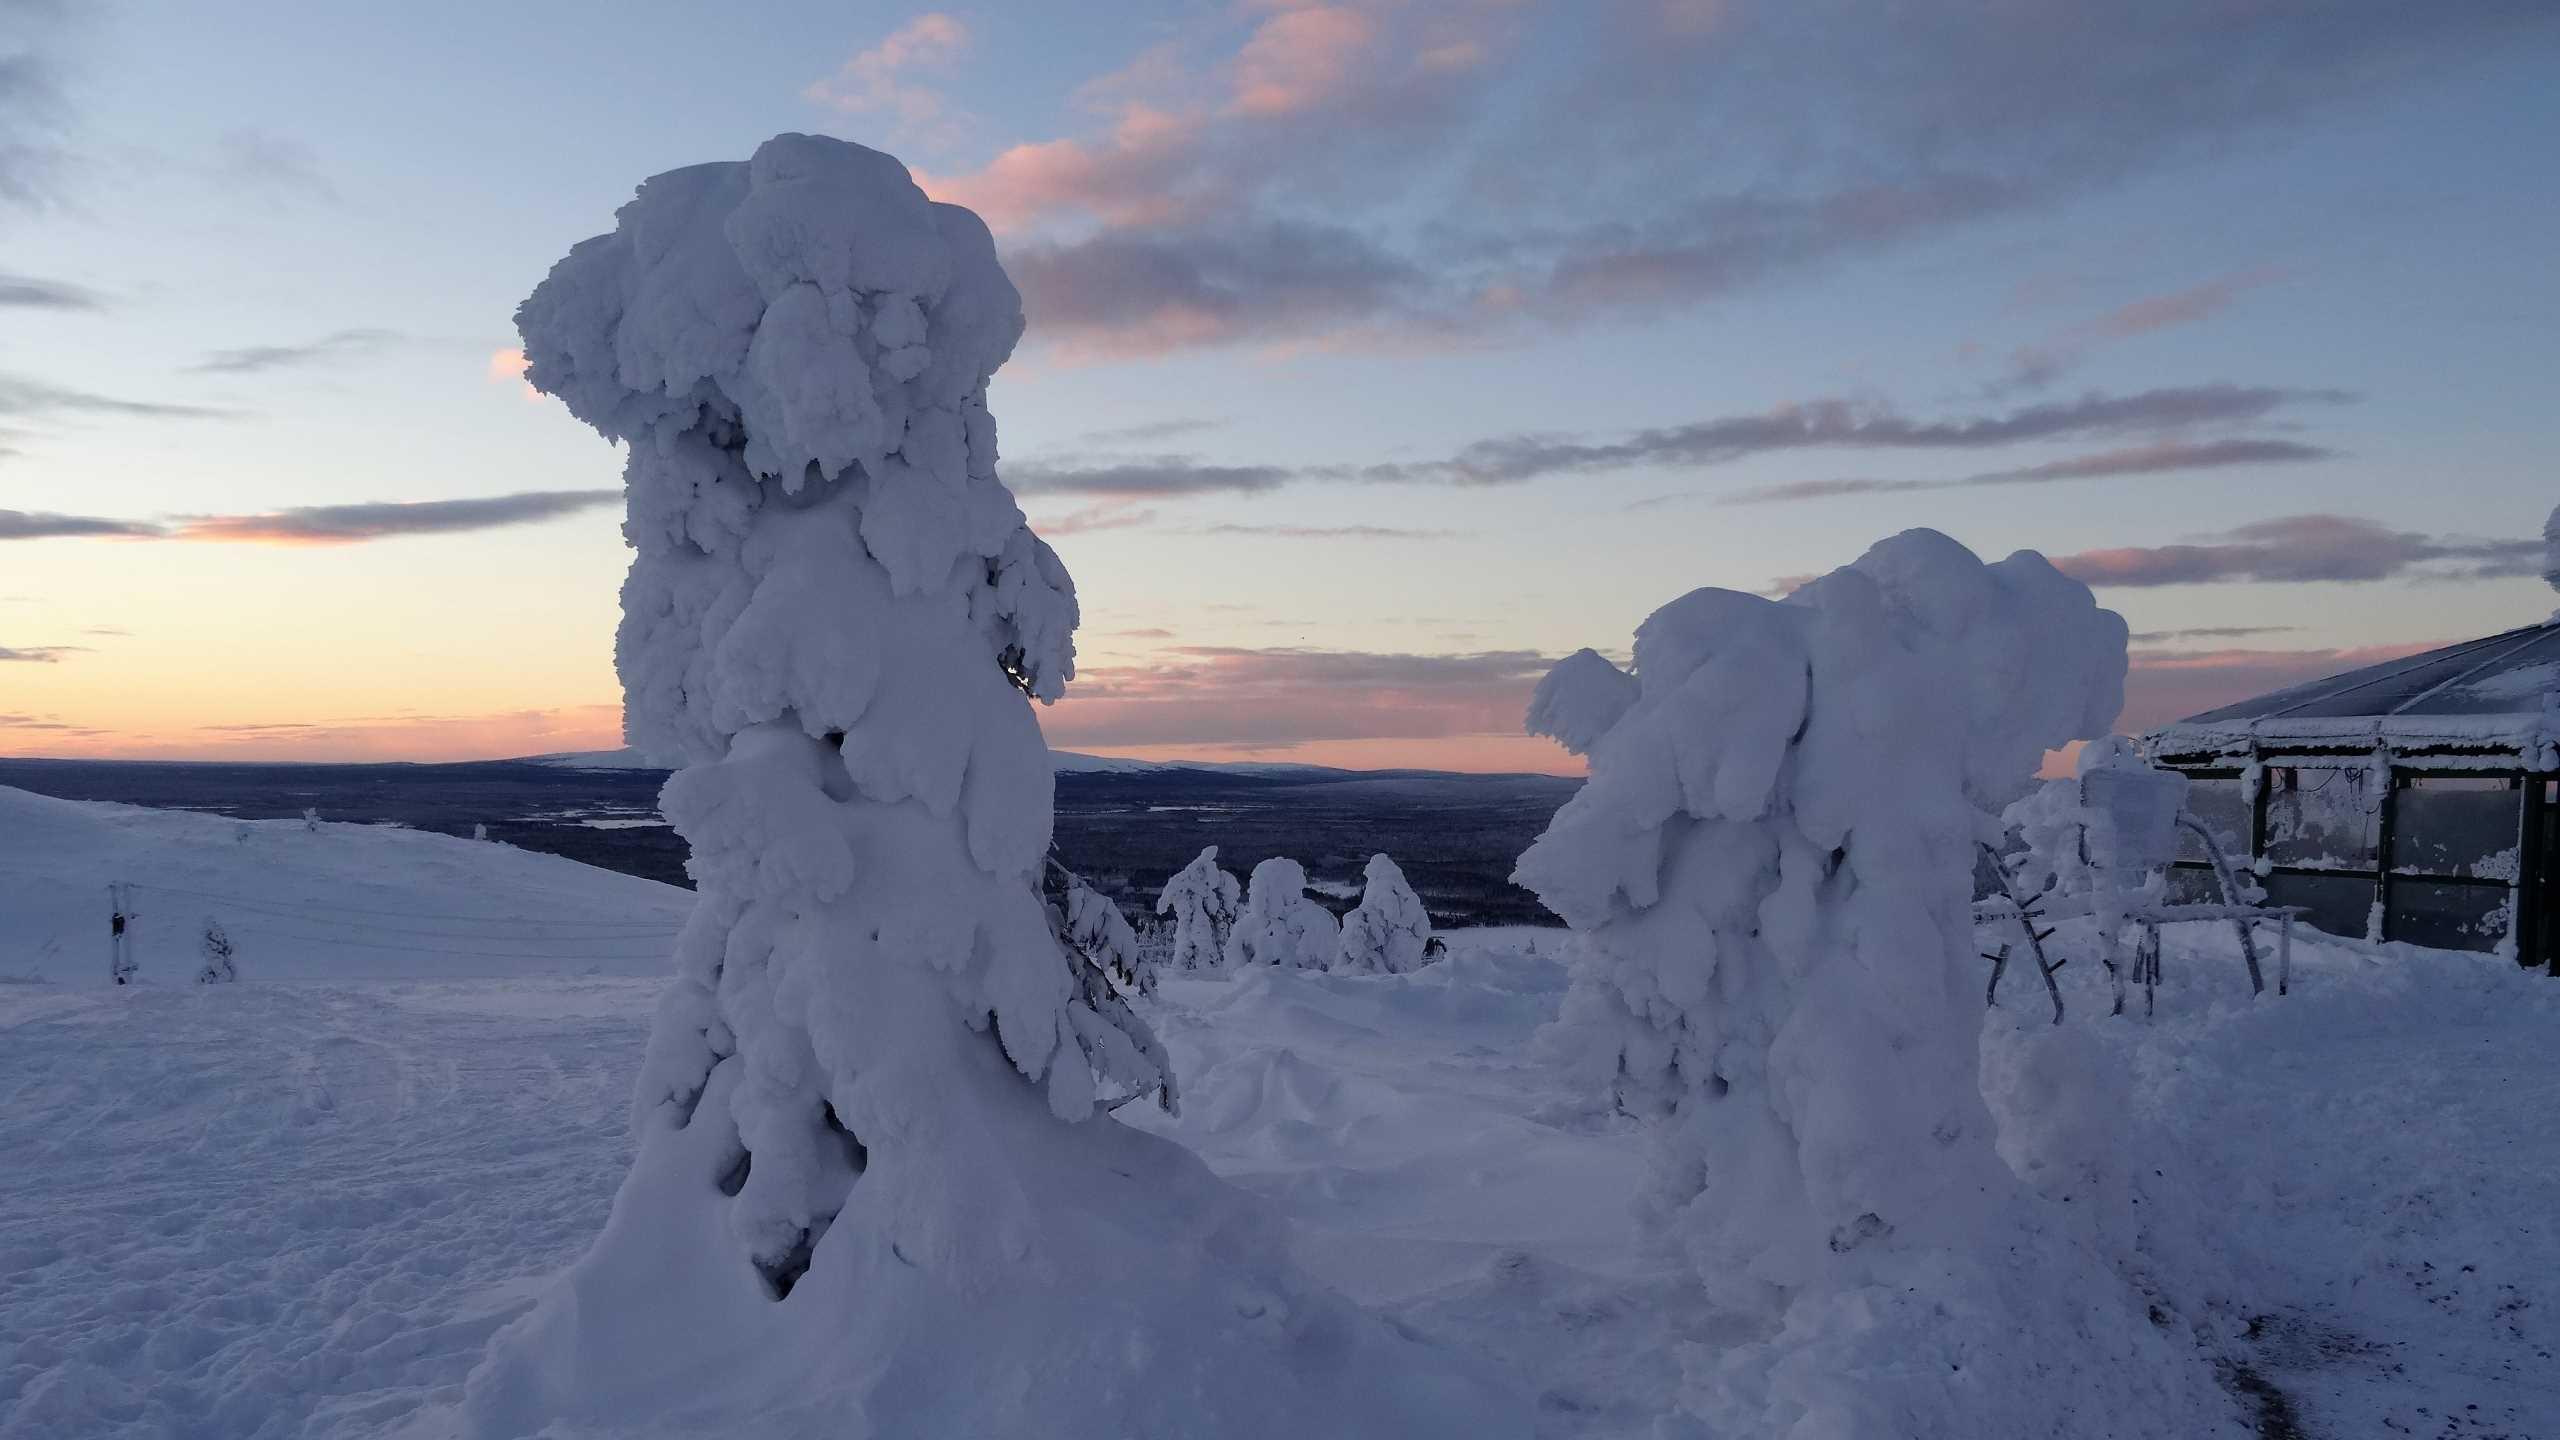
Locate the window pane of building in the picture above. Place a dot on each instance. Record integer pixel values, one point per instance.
(2321, 819)
(2225, 811)
(2193, 885)
(2444, 826)
(2448, 917)
(2339, 904)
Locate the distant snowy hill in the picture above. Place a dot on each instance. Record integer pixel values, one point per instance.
(348, 901)
(625, 758)
(1068, 762)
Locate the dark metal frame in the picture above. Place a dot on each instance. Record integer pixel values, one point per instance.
(2524, 892)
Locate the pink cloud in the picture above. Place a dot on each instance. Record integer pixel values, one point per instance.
(508, 366)
(1235, 699)
(876, 80)
(1135, 175)
(1300, 59)
(487, 736)
(1106, 516)
(2164, 685)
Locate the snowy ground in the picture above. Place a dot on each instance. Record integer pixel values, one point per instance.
(298, 1206)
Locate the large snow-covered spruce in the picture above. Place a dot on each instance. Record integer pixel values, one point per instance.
(875, 1192)
(1770, 870)
(1388, 932)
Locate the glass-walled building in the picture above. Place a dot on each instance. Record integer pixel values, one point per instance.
(2414, 800)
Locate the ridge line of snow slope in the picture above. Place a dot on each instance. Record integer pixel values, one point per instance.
(351, 901)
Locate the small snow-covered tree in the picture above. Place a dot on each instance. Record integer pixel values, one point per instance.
(1389, 932)
(1201, 899)
(1770, 872)
(1279, 925)
(219, 967)
(876, 1188)
(1100, 933)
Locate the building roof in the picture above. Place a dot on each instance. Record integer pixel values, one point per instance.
(2498, 692)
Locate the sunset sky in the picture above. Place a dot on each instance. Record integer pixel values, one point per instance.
(1380, 352)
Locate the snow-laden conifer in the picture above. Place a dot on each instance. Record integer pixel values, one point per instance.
(1100, 933)
(1201, 899)
(874, 1190)
(220, 961)
(1770, 870)
(1279, 925)
(1389, 931)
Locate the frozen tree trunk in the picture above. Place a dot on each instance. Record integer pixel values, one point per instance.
(876, 1191)
(1771, 870)
(220, 966)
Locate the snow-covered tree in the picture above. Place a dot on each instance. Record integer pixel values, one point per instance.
(1279, 925)
(220, 966)
(1390, 930)
(1201, 899)
(2551, 548)
(1100, 933)
(1770, 870)
(875, 1188)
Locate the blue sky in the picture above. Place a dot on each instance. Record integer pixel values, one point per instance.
(1300, 279)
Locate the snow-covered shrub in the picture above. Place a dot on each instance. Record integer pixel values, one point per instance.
(1389, 930)
(1201, 899)
(220, 965)
(1279, 925)
(1770, 870)
(1101, 934)
(2111, 827)
(875, 1189)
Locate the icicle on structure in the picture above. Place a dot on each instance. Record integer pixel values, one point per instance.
(870, 1105)
(1770, 871)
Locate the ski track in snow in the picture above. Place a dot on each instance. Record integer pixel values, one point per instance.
(2390, 1165)
(290, 1208)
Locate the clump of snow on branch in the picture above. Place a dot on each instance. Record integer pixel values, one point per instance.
(1577, 701)
(1389, 930)
(873, 1182)
(1279, 925)
(1202, 900)
(1770, 869)
(2551, 548)
(2108, 829)
(1101, 934)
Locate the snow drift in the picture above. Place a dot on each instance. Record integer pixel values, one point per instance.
(1770, 871)
(875, 1191)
